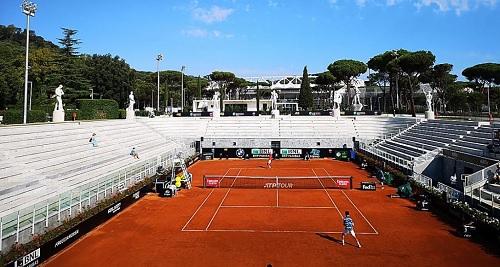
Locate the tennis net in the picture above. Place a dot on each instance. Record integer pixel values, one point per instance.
(278, 182)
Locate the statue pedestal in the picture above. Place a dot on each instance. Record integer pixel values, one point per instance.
(58, 116)
(216, 113)
(429, 115)
(357, 107)
(336, 113)
(275, 113)
(130, 114)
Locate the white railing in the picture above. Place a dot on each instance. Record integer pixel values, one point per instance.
(387, 156)
(452, 194)
(422, 179)
(21, 225)
(481, 175)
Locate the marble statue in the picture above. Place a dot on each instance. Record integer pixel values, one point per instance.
(429, 114)
(58, 113)
(274, 100)
(58, 95)
(428, 99)
(131, 101)
(130, 109)
(215, 101)
(337, 98)
(355, 99)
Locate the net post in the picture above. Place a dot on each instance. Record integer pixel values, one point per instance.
(350, 182)
(204, 181)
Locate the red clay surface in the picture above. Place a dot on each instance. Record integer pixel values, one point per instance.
(285, 227)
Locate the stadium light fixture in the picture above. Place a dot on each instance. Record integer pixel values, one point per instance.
(183, 68)
(159, 58)
(29, 10)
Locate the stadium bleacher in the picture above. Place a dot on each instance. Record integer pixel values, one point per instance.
(39, 161)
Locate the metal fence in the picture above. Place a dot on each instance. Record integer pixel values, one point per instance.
(481, 175)
(20, 226)
(422, 179)
(408, 164)
(452, 194)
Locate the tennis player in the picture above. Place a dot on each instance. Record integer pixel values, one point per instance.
(349, 228)
(270, 161)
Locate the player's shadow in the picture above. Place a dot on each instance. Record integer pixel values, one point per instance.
(330, 238)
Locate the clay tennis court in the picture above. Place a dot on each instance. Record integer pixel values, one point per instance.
(278, 225)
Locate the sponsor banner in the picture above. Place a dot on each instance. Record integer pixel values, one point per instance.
(211, 182)
(70, 236)
(341, 154)
(368, 186)
(66, 238)
(278, 185)
(315, 153)
(291, 152)
(261, 152)
(30, 259)
(344, 183)
(240, 152)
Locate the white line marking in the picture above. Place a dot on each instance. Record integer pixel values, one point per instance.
(362, 215)
(280, 207)
(279, 168)
(277, 193)
(272, 231)
(348, 198)
(326, 192)
(218, 208)
(225, 174)
(194, 214)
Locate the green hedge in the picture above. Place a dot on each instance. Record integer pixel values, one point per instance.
(12, 116)
(92, 109)
(122, 114)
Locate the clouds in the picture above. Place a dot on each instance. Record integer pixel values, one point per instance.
(208, 16)
(458, 6)
(204, 33)
(213, 14)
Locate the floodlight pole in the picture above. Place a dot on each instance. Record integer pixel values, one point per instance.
(29, 10)
(158, 59)
(182, 87)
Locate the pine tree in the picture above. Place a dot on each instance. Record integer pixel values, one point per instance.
(305, 95)
(73, 67)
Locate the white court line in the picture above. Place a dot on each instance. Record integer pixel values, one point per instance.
(376, 232)
(194, 214)
(218, 208)
(362, 215)
(280, 207)
(326, 192)
(279, 168)
(277, 193)
(274, 231)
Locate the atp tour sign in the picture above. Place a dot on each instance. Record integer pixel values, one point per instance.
(261, 152)
(291, 152)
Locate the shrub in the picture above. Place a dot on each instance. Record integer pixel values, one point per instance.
(122, 114)
(91, 109)
(13, 116)
(141, 113)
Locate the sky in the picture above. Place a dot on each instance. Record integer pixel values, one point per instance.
(269, 37)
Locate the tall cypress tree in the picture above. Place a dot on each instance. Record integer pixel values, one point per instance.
(305, 95)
